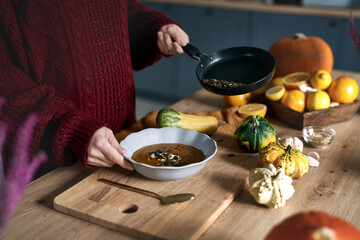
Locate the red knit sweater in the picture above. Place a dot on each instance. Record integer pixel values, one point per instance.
(72, 62)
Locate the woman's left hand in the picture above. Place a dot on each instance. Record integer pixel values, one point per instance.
(165, 43)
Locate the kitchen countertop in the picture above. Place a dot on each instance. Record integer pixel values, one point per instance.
(264, 7)
(332, 187)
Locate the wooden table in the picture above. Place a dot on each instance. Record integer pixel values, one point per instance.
(333, 187)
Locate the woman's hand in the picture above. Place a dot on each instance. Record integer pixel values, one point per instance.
(105, 151)
(165, 43)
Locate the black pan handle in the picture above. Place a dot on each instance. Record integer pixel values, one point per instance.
(194, 52)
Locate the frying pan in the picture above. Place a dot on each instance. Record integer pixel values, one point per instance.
(249, 67)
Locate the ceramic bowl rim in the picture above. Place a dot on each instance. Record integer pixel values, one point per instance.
(214, 151)
(327, 129)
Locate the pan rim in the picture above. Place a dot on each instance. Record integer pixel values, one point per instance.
(246, 50)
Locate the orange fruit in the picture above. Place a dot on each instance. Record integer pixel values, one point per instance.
(317, 100)
(320, 79)
(294, 80)
(259, 91)
(275, 93)
(294, 99)
(343, 90)
(237, 100)
(252, 109)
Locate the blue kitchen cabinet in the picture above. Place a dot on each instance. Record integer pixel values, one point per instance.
(269, 27)
(159, 80)
(349, 58)
(210, 30)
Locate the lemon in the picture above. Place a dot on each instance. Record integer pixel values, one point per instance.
(276, 81)
(294, 80)
(318, 100)
(320, 79)
(275, 93)
(252, 109)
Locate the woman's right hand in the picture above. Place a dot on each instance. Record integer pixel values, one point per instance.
(165, 43)
(105, 151)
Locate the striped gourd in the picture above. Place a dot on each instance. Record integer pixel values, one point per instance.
(169, 117)
(254, 133)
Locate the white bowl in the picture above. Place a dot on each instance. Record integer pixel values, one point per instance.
(151, 136)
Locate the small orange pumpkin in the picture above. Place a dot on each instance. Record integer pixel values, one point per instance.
(313, 225)
(301, 54)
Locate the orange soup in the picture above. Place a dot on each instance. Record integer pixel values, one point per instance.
(168, 154)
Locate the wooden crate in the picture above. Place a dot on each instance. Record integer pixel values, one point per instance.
(298, 120)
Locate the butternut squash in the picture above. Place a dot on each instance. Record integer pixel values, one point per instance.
(169, 117)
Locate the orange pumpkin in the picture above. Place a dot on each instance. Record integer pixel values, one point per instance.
(312, 226)
(301, 54)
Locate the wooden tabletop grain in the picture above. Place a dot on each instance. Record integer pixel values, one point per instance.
(332, 187)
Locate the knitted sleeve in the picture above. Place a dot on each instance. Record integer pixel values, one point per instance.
(68, 129)
(144, 24)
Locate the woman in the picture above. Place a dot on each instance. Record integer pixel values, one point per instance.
(72, 62)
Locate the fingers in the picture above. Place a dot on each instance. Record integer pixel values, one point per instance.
(167, 34)
(96, 162)
(97, 158)
(105, 151)
(176, 33)
(112, 154)
(165, 44)
(119, 151)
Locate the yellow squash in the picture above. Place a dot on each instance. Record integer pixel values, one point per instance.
(168, 117)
